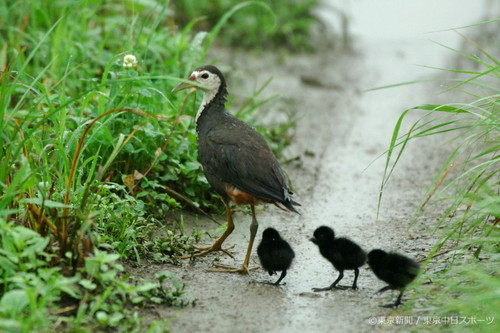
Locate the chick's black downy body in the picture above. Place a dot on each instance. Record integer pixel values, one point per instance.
(395, 269)
(238, 163)
(275, 254)
(343, 253)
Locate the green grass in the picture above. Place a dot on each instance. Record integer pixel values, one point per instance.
(94, 154)
(256, 24)
(468, 185)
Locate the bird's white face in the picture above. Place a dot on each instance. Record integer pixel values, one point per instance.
(209, 82)
(205, 80)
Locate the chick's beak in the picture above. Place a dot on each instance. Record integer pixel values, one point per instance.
(185, 85)
(314, 240)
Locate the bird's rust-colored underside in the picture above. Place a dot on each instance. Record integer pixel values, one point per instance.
(240, 197)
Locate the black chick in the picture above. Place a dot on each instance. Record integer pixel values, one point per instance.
(395, 269)
(341, 252)
(275, 253)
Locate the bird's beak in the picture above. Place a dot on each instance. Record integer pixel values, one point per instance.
(313, 240)
(185, 85)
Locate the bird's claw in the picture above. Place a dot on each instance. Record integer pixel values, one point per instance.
(203, 251)
(273, 283)
(228, 269)
(341, 287)
(389, 305)
(329, 288)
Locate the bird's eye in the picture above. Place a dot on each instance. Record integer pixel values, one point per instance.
(204, 76)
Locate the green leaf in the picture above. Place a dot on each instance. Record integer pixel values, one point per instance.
(14, 302)
(45, 203)
(102, 317)
(147, 286)
(87, 284)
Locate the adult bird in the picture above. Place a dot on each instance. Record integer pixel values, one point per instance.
(275, 254)
(343, 253)
(395, 269)
(236, 159)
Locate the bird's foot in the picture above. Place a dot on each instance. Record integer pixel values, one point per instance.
(272, 283)
(228, 269)
(203, 251)
(329, 288)
(384, 289)
(340, 287)
(390, 305)
(353, 287)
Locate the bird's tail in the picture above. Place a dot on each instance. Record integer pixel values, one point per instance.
(289, 203)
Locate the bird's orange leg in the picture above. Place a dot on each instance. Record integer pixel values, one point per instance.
(201, 251)
(254, 226)
(244, 269)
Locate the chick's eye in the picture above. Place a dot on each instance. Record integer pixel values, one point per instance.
(204, 76)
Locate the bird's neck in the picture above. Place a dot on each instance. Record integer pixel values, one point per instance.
(213, 102)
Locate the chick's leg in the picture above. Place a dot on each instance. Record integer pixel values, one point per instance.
(333, 285)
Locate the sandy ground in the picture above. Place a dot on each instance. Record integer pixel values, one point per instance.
(341, 130)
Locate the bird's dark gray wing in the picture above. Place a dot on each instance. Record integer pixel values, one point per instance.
(239, 156)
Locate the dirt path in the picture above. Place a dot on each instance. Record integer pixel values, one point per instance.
(340, 132)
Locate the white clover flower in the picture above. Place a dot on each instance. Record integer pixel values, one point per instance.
(129, 61)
